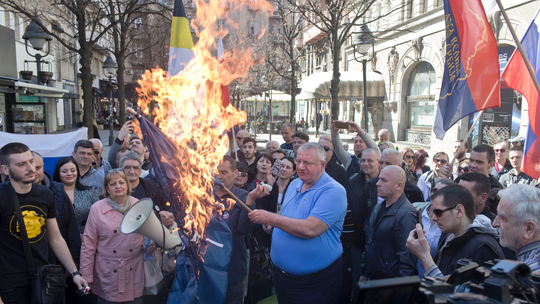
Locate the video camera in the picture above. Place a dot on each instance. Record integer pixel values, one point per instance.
(504, 282)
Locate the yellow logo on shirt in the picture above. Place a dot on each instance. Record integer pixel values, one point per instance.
(34, 221)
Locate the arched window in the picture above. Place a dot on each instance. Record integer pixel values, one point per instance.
(421, 97)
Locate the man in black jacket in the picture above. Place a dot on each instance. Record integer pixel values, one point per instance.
(332, 168)
(467, 236)
(386, 255)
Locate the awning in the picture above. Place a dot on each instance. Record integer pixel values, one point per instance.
(317, 86)
(31, 89)
(276, 96)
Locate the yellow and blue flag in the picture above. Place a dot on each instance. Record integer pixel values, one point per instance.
(181, 47)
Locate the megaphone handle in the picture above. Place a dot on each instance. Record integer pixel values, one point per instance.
(236, 199)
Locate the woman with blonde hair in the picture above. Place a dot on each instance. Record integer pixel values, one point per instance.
(112, 261)
(408, 158)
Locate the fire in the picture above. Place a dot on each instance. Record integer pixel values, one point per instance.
(188, 109)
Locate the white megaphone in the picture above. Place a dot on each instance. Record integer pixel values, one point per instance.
(141, 219)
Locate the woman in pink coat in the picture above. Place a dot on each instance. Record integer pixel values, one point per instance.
(111, 261)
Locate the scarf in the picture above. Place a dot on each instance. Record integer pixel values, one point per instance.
(117, 206)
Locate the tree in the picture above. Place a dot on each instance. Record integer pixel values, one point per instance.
(87, 17)
(124, 15)
(283, 59)
(337, 19)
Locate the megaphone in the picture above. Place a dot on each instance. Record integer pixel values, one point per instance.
(141, 219)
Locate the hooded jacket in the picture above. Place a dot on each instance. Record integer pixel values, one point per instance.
(479, 242)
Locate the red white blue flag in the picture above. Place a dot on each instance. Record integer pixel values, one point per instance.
(471, 73)
(518, 78)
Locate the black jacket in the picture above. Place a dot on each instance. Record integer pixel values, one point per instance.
(268, 203)
(337, 173)
(479, 244)
(386, 254)
(361, 198)
(155, 194)
(67, 222)
(413, 193)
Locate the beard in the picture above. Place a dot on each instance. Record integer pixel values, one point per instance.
(23, 179)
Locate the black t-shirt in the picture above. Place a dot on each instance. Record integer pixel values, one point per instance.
(139, 192)
(37, 206)
(382, 211)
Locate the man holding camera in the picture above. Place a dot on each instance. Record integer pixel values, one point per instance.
(467, 236)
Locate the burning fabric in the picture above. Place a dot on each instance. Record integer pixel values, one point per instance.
(191, 141)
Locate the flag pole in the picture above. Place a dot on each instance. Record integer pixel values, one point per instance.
(234, 145)
(473, 125)
(520, 48)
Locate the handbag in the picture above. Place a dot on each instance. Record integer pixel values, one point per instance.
(260, 263)
(155, 281)
(48, 282)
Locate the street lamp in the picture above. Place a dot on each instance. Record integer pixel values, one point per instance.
(109, 68)
(364, 40)
(37, 37)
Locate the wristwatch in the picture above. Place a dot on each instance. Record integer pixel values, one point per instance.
(76, 273)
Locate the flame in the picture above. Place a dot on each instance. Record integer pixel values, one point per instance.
(190, 111)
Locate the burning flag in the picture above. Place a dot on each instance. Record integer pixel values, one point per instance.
(190, 143)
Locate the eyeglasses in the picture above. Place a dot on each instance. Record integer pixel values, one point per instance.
(326, 148)
(96, 152)
(500, 150)
(439, 212)
(442, 161)
(242, 174)
(463, 169)
(298, 162)
(409, 156)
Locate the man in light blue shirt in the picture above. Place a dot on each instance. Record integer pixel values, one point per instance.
(306, 247)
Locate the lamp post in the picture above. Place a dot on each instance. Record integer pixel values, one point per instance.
(364, 40)
(109, 67)
(37, 37)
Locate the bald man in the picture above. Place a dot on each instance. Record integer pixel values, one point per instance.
(332, 167)
(391, 157)
(240, 144)
(386, 254)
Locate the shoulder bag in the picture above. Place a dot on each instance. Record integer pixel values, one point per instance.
(48, 282)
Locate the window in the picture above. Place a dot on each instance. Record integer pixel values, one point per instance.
(421, 99)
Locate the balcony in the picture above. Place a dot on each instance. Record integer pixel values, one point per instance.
(313, 34)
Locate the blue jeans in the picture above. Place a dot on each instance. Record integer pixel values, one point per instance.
(17, 295)
(322, 287)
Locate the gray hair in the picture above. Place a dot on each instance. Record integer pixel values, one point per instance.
(374, 150)
(389, 144)
(393, 153)
(98, 141)
(525, 203)
(314, 146)
(131, 155)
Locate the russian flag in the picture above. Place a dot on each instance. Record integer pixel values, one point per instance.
(51, 146)
(471, 73)
(180, 50)
(518, 78)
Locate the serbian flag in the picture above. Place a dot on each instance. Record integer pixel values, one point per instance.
(180, 50)
(225, 100)
(471, 72)
(518, 78)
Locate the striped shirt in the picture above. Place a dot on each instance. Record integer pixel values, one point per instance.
(530, 255)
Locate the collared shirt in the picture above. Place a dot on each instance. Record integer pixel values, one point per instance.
(530, 255)
(104, 167)
(93, 179)
(512, 177)
(326, 200)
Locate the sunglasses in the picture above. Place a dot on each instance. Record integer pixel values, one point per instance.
(439, 212)
(442, 161)
(96, 152)
(409, 156)
(500, 150)
(242, 174)
(326, 148)
(463, 169)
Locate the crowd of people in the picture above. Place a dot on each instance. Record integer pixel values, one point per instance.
(329, 218)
